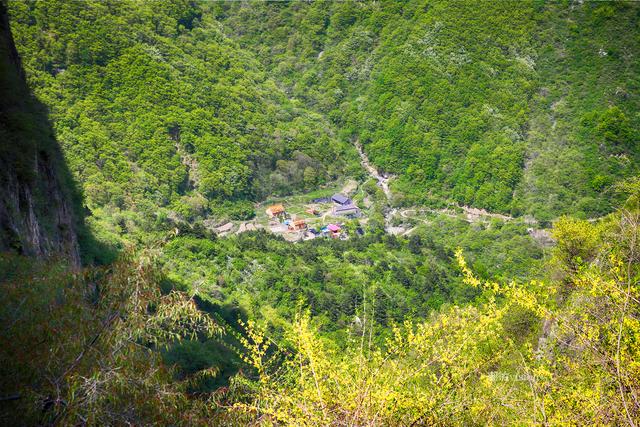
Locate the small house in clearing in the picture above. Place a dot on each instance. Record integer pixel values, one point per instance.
(349, 210)
(332, 230)
(276, 211)
(340, 199)
(298, 224)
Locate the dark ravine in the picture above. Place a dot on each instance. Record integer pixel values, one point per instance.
(38, 214)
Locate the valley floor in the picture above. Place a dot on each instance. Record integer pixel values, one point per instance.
(397, 220)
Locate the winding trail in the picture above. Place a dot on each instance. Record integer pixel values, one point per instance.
(383, 181)
(471, 214)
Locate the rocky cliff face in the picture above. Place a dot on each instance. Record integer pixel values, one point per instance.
(38, 203)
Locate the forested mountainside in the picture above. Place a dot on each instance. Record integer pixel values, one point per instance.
(155, 107)
(487, 272)
(521, 107)
(183, 105)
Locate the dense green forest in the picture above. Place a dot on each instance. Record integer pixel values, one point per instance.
(187, 105)
(523, 107)
(155, 107)
(496, 282)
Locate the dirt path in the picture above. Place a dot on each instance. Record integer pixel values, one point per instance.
(471, 214)
(383, 181)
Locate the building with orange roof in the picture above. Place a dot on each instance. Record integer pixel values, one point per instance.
(276, 211)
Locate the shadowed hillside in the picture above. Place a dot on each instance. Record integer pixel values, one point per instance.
(40, 206)
(37, 214)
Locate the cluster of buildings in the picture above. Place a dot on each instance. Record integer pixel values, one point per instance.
(278, 212)
(342, 206)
